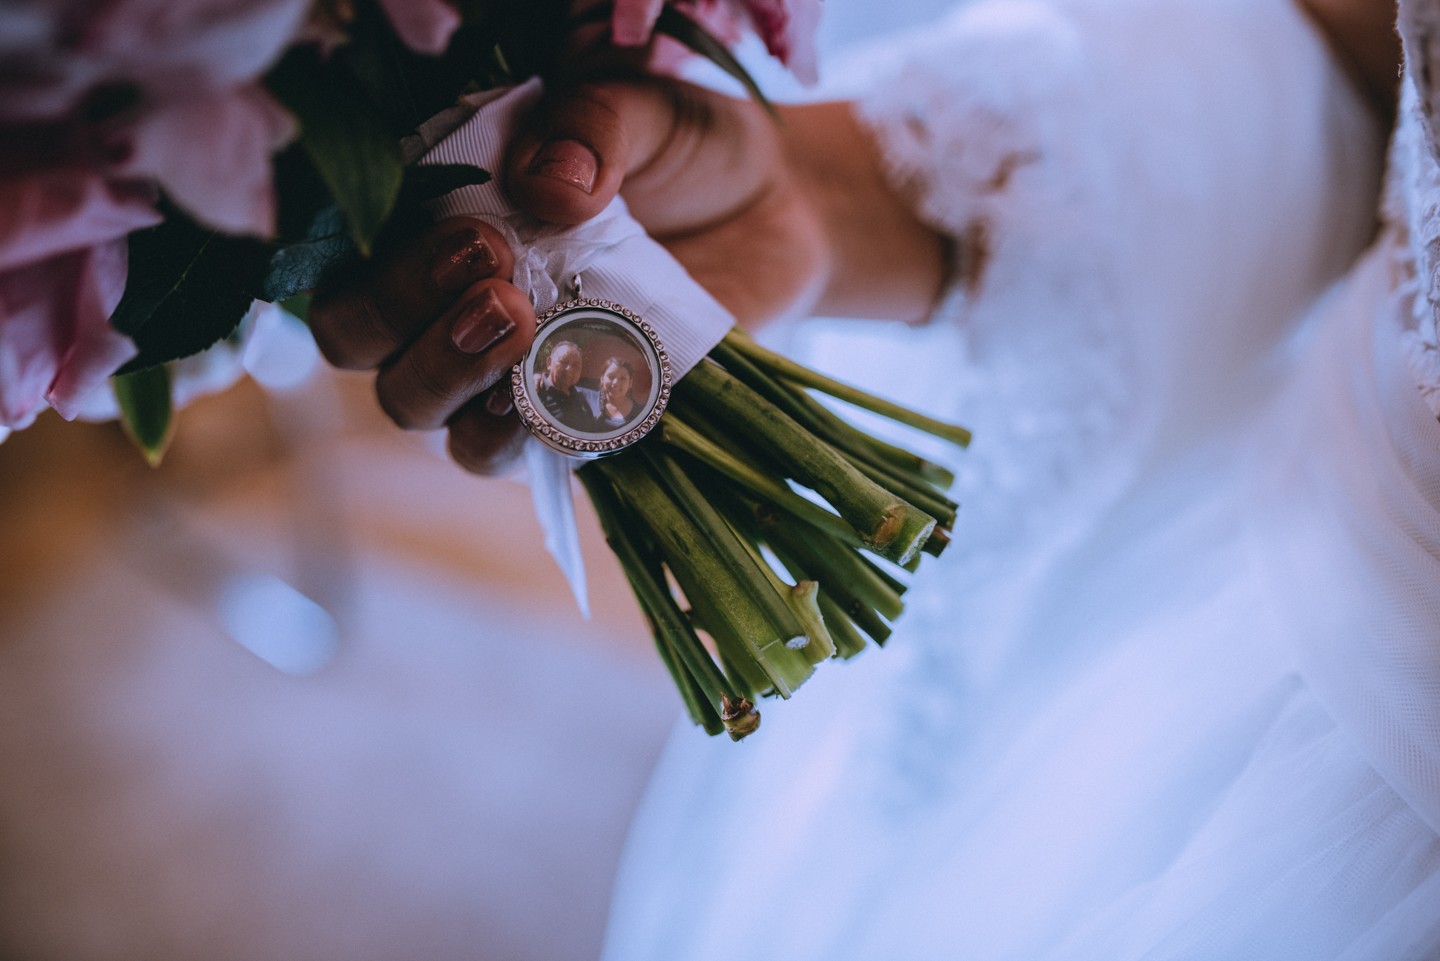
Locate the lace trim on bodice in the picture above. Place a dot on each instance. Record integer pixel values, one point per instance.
(1412, 202)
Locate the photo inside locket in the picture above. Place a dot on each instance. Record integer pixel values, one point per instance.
(593, 377)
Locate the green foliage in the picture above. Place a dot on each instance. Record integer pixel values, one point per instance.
(298, 307)
(427, 183)
(339, 189)
(345, 138)
(188, 287)
(145, 410)
(297, 267)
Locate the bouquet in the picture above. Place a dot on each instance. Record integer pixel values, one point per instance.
(176, 164)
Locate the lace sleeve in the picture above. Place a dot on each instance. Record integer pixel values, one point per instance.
(1413, 199)
(1099, 166)
(970, 108)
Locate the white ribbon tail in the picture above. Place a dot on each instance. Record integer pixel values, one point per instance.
(553, 496)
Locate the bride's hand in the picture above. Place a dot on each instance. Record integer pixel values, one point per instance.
(706, 175)
(773, 219)
(440, 322)
(438, 318)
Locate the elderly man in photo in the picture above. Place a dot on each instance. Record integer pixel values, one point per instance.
(559, 388)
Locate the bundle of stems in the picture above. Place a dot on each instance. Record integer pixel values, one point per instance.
(758, 517)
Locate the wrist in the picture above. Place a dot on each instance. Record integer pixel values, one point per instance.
(881, 260)
(1362, 35)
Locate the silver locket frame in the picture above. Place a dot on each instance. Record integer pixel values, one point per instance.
(594, 327)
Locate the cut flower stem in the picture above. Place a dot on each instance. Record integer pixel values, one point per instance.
(810, 378)
(886, 522)
(743, 525)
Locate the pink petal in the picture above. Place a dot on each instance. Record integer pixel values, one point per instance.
(424, 25)
(180, 48)
(41, 81)
(55, 53)
(633, 21)
(788, 28)
(96, 349)
(55, 335)
(69, 208)
(211, 153)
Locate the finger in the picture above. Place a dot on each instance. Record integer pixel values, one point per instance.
(365, 317)
(684, 157)
(466, 351)
(572, 154)
(485, 435)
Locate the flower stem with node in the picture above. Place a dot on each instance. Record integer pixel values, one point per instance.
(887, 524)
(747, 485)
(804, 376)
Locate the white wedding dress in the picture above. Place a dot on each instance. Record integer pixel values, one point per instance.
(1174, 693)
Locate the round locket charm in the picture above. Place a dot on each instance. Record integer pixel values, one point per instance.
(595, 380)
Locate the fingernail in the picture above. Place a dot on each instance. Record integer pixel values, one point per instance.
(499, 402)
(482, 323)
(628, 30)
(568, 161)
(461, 259)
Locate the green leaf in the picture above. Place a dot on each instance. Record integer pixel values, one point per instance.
(528, 34)
(298, 267)
(407, 88)
(187, 288)
(298, 307)
(345, 138)
(145, 410)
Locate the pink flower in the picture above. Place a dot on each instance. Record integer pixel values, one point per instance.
(424, 25)
(786, 26)
(211, 153)
(184, 113)
(180, 76)
(633, 21)
(56, 342)
(56, 52)
(55, 209)
(62, 270)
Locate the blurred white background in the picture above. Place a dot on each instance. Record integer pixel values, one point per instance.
(308, 691)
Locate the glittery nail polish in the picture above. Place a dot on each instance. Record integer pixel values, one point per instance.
(461, 259)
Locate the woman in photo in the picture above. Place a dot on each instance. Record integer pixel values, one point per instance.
(617, 407)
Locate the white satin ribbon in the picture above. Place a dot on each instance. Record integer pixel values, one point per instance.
(620, 263)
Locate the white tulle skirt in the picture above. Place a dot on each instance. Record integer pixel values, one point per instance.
(1178, 695)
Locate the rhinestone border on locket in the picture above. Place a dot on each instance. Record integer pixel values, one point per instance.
(555, 437)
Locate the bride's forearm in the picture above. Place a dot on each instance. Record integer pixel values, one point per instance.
(1362, 34)
(883, 261)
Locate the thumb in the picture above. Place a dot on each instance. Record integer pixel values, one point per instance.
(573, 152)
